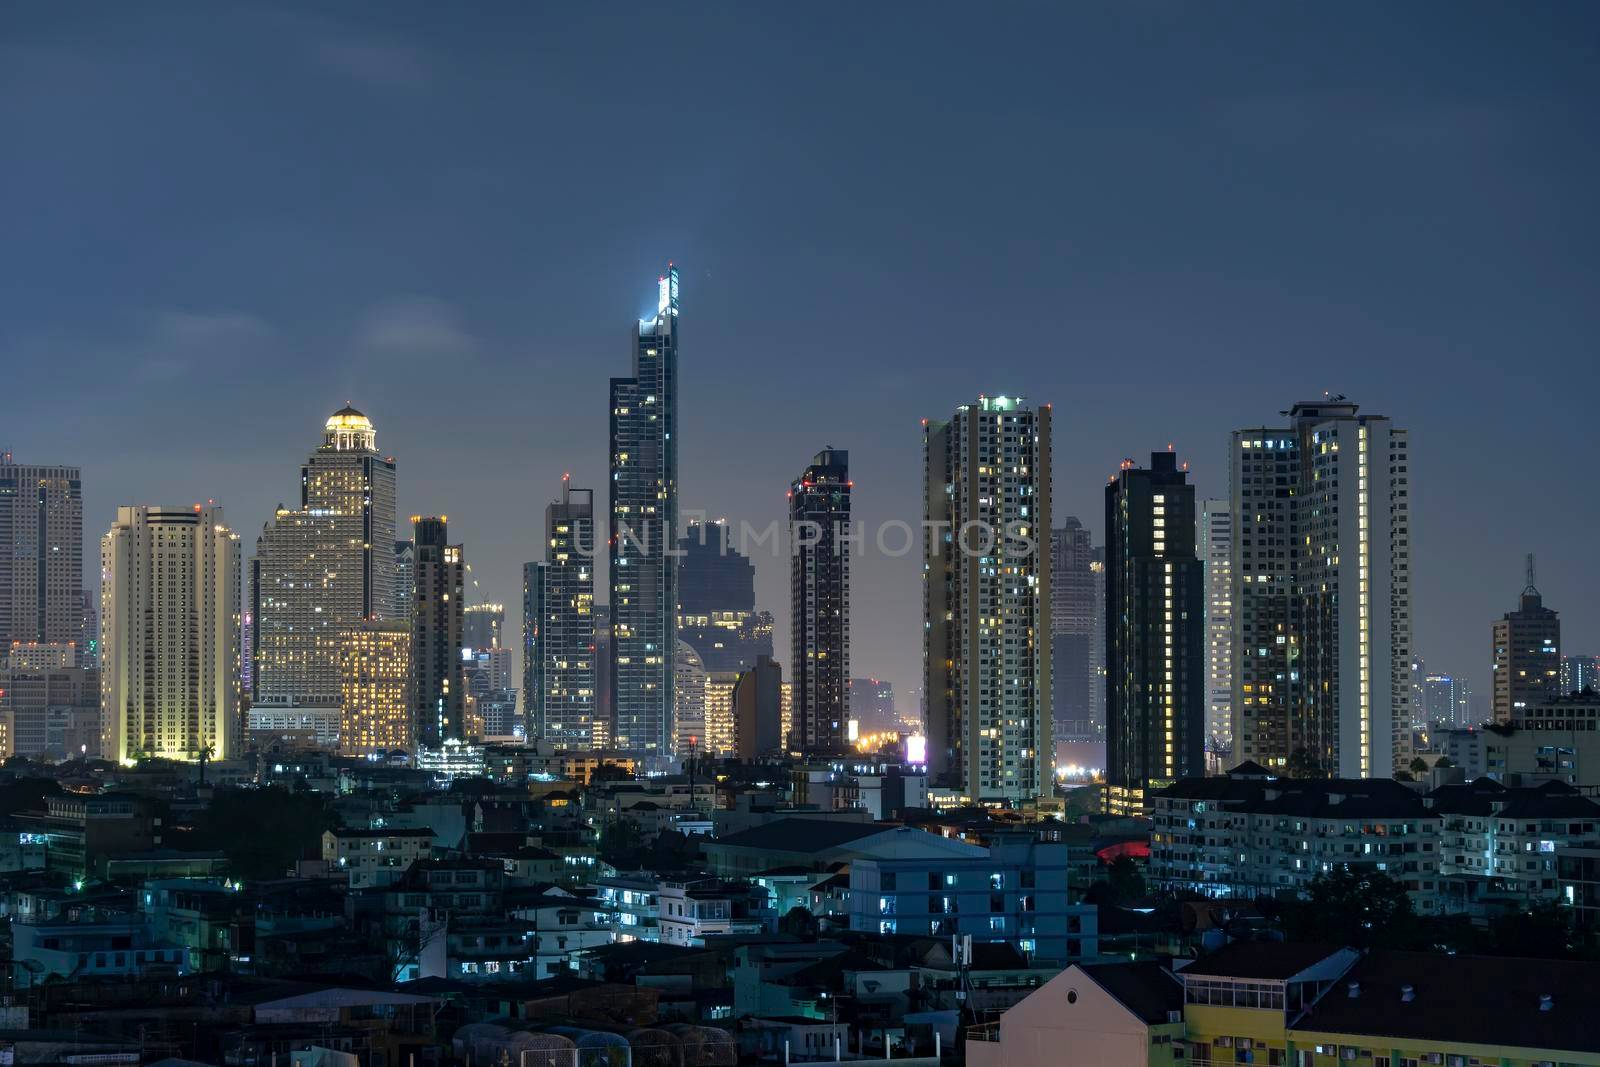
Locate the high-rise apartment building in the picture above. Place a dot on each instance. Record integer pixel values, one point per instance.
(717, 600)
(1446, 701)
(559, 626)
(438, 683)
(819, 589)
(375, 689)
(1527, 655)
(1155, 633)
(1579, 673)
(41, 553)
(324, 566)
(987, 599)
(1072, 632)
(1322, 593)
(1216, 556)
(169, 617)
(643, 530)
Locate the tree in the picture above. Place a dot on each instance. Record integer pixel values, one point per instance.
(1419, 765)
(1543, 930)
(1126, 880)
(799, 922)
(1302, 764)
(26, 794)
(1361, 908)
(263, 831)
(621, 842)
(1443, 763)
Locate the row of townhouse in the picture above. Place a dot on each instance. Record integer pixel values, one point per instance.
(1247, 834)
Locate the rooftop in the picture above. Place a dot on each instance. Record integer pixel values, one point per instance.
(1147, 989)
(1270, 960)
(1469, 1000)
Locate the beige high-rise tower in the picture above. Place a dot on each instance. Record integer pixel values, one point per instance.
(169, 626)
(325, 566)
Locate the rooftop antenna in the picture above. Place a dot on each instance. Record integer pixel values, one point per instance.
(1531, 589)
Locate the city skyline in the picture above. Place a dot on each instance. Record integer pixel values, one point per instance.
(198, 382)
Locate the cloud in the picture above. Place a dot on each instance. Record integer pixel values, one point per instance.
(379, 64)
(414, 327)
(173, 344)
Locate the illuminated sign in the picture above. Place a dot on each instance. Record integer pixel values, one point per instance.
(916, 749)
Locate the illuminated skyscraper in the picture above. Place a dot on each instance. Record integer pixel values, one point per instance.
(1155, 626)
(986, 599)
(169, 610)
(819, 590)
(41, 553)
(1527, 655)
(324, 566)
(1579, 673)
(375, 689)
(1322, 593)
(1072, 632)
(438, 683)
(1216, 555)
(643, 530)
(559, 670)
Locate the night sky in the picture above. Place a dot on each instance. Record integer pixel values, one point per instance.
(1169, 220)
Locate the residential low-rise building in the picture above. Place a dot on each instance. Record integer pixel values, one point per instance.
(375, 857)
(695, 908)
(96, 948)
(1014, 891)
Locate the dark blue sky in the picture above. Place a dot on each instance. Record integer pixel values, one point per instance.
(221, 222)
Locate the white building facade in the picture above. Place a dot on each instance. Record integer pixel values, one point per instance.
(169, 646)
(1322, 592)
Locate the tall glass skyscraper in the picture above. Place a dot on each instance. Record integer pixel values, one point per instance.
(1073, 636)
(643, 530)
(41, 554)
(558, 626)
(1215, 530)
(325, 566)
(819, 525)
